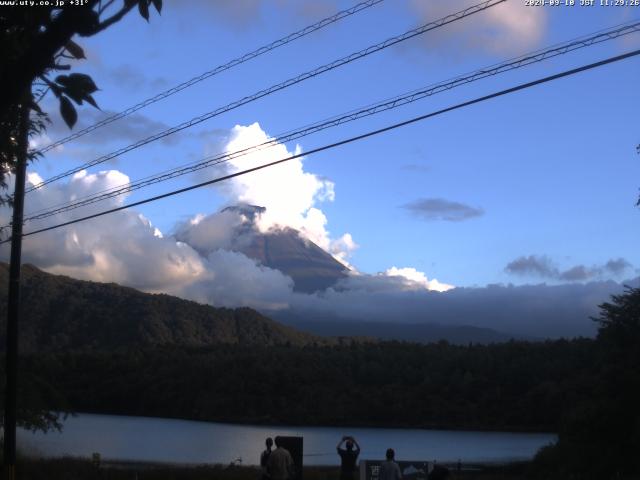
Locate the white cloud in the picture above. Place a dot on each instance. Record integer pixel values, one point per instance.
(509, 28)
(290, 194)
(196, 261)
(342, 248)
(286, 190)
(124, 247)
(416, 279)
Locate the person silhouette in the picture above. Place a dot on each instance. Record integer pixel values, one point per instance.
(348, 457)
(280, 463)
(264, 458)
(389, 469)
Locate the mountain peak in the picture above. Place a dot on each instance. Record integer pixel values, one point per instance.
(285, 249)
(247, 210)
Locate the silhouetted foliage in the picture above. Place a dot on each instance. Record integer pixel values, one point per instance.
(511, 386)
(600, 438)
(35, 42)
(113, 349)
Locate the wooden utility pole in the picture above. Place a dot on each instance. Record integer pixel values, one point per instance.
(13, 307)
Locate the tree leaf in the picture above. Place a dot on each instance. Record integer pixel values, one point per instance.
(76, 96)
(68, 112)
(57, 91)
(91, 101)
(34, 106)
(158, 5)
(87, 22)
(62, 80)
(84, 82)
(143, 6)
(75, 50)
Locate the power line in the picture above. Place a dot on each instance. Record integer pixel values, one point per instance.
(522, 86)
(519, 62)
(280, 86)
(219, 69)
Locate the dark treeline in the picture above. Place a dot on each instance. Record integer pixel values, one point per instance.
(241, 367)
(510, 386)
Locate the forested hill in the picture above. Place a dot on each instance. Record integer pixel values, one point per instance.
(61, 313)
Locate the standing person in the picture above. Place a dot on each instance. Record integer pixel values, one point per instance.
(390, 470)
(348, 457)
(280, 463)
(264, 458)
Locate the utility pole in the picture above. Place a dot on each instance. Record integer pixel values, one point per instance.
(13, 307)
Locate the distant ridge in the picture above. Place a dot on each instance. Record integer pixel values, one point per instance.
(400, 331)
(61, 313)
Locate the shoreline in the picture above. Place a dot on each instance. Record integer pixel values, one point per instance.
(73, 467)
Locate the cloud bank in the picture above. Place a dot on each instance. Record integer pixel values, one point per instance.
(196, 260)
(542, 266)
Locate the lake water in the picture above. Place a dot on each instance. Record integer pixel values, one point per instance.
(180, 441)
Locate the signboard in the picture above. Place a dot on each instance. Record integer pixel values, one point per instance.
(411, 470)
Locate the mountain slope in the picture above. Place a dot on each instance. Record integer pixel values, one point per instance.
(60, 313)
(310, 267)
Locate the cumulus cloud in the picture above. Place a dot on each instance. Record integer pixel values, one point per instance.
(542, 266)
(508, 28)
(207, 233)
(290, 194)
(431, 209)
(413, 279)
(342, 248)
(197, 260)
(126, 248)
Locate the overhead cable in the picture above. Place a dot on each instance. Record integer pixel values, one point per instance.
(219, 69)
(500, 93)
(519, 62)
(277, 87)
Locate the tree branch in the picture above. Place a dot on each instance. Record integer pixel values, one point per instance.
(114, 18)
(101, 9)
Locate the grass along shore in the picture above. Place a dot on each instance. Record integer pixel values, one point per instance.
(80, 469)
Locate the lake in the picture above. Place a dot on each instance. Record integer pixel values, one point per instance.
(181, 441)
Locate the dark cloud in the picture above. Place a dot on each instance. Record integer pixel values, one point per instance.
(439, 209)
(541, 311)
(126, 130)
(244, 14)
(131, 78)
(543, 267)
(240, 14)
(579, 273)
(535, 265)
(617, 266)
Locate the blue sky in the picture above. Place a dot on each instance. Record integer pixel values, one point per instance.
(551, 172)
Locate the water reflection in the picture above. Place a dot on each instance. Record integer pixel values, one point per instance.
(181, 441)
